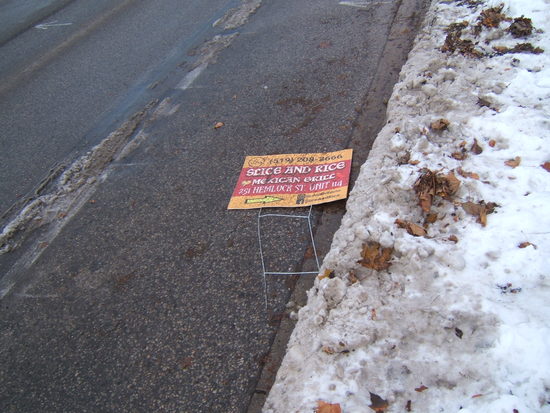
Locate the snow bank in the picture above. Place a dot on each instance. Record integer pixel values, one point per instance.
(461, 318)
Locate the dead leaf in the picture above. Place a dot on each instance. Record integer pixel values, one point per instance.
(325, 45)
(526, 244)
(513, 163)
(327, 274)
(492, 143)
(413, 229)
(309, 253)
(546, 166)
(453, 238)
(475, 396)
(459, 333)
(324, 407)
(352, 277)
(480, 210)
(328, 350)
(218, 125)
(408, 406)
(375, 256)
(459, 156)
(466, 174)
(414, 162)
(421, 389)
(431, 184)
(378, 404)
(440, 125)
(430, 219)
(476, 148)
(373, 314)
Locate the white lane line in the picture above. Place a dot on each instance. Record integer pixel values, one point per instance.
(46, 26)
(363, 4)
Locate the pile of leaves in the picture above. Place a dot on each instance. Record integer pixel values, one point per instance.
(490, 18)
(518, 48)
(455, 43)
(375, 257)
(521, 27)
(431, 184)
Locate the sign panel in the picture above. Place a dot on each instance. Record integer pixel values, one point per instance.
(292, 180)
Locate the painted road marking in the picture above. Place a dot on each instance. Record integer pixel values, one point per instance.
(46, 26)
(363, 4)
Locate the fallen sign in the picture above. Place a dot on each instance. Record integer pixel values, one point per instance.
(292, 180)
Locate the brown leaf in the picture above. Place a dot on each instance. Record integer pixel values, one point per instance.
(375, 256)
(413, 229)
(324, 407)
(218, 125)
(421, 389)
(475, 396)
(439, 125)
(425, 201)
(378, 404)
(408, 406)
(352, 277)
(447, 185)
(453, 238)
(328, 350)
(492, 143)
(479, 210)
(430, 219)
(325, 44)
(546, 166)
(459, 156)
(465, 174)
(526, 244)
(414, 162)
(476, 148)
(513, 163)
(327, 274)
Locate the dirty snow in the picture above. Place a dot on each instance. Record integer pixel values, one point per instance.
(461, 318)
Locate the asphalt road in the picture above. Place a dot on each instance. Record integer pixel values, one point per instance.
(139, 290)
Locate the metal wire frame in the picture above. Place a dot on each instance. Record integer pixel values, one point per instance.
(266, 273)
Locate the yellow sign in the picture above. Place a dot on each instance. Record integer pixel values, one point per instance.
(292, 180)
